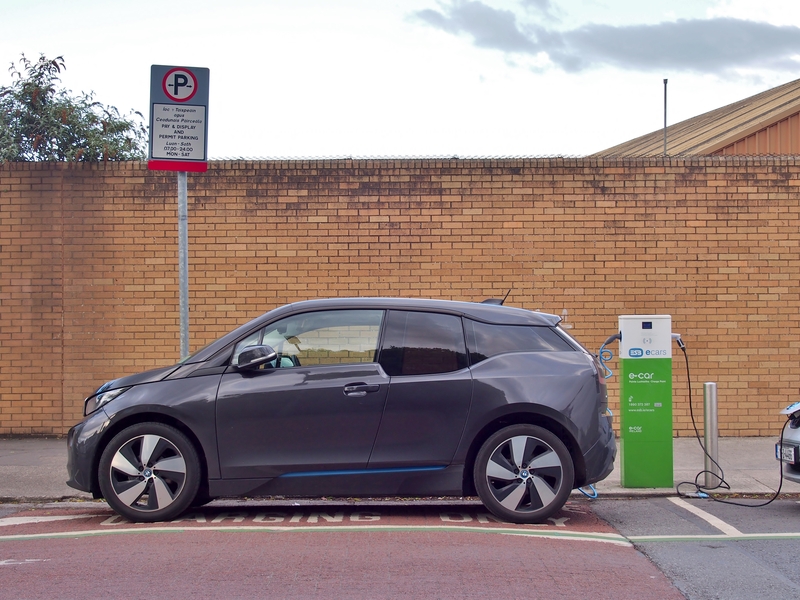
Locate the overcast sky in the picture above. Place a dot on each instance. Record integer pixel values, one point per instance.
(375, 78)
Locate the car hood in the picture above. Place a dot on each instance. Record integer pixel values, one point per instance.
(139, 378)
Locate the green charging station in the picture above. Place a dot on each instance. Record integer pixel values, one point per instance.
(646, 401)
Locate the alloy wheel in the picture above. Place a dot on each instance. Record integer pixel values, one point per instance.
(524, 474)
(149, 472)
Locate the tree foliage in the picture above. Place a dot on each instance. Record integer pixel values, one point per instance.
(42, 121)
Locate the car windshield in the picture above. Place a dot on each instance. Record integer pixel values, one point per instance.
(188, 359)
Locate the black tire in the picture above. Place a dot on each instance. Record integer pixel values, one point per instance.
(149, 472)
(523, 474)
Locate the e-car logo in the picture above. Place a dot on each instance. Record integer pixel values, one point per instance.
(641, 376)
(635, 352)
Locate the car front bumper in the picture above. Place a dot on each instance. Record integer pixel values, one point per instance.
(790, 439)
(82, 452)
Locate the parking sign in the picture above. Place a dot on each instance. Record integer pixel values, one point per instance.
(178, 119)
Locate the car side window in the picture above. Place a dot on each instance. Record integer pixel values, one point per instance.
(420, 343)
(486, 340)
(320, 338)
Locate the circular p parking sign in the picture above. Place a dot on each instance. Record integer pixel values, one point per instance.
(179, 84)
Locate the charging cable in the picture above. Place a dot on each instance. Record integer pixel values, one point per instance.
(604, 354)
(700, 490)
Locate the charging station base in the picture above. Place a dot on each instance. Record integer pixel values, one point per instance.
(646, 464)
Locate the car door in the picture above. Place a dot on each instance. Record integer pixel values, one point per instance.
(430, 390)
(316, 407)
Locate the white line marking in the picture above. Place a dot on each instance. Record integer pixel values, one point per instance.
(707, 517)
(607, 538)
(639, 539)
(5, 521)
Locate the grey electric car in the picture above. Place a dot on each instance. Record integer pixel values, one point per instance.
(356, 397)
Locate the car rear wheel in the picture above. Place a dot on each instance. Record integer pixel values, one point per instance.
(149, 472)
(523, 474)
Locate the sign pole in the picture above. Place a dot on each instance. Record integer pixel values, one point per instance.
(183, 260)
(178, 142)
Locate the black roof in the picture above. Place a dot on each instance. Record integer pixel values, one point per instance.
(491, 313)
(488, 313)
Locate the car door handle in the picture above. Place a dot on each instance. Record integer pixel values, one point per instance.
(360, 389)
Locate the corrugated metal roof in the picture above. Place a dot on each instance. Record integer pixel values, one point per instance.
(716, 129)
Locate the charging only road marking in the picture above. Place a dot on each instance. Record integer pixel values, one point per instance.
(728, 530)
(6, 521)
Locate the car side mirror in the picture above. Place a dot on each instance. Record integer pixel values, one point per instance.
(255, 356)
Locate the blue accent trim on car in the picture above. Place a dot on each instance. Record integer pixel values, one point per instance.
(362, 471)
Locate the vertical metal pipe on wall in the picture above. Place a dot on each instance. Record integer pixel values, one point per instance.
(183, 260)
(665, 117)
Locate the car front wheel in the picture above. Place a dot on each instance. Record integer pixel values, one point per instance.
(523, 474)
(149, 472)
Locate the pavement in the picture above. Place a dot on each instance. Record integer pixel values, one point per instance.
(34, 469)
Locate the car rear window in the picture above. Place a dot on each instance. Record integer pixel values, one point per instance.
(485, 340)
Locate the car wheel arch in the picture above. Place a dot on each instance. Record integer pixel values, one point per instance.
(520, 418)
(146, 417)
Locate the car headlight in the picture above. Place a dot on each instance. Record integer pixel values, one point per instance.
(100, 399)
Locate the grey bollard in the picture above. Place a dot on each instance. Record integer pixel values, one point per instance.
(713, 476)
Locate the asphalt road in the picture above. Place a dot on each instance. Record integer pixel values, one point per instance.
(663, 548)
(711, 550)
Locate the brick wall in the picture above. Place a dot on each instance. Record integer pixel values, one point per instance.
(89, 282)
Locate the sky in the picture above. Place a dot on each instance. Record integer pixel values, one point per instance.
(418, 78)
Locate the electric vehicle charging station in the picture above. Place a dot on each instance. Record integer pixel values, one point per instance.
(646, 456)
